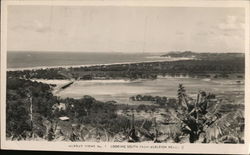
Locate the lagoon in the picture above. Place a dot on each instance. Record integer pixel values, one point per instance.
(121, 90)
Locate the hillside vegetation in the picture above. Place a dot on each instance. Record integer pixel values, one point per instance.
(33, 113)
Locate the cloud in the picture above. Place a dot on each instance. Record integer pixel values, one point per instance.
(231, 26)
(231, 23)
(202, 33)
(39, 27)
(35, 25)
(200, 23)
(179, 33)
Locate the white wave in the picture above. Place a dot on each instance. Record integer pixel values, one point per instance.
(57, 82)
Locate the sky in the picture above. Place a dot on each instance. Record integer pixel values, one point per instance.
(125, 29)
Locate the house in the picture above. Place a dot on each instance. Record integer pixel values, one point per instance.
(59, 106)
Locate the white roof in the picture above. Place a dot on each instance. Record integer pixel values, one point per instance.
(64, 118)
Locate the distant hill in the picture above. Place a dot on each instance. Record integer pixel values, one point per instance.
(180, 54)
(190, 54)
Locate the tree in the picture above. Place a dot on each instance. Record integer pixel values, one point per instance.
(17, 119)
(182, 96)
(199, 120)
(83, 107)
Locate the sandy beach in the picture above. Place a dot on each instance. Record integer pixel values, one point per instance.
(89, 65)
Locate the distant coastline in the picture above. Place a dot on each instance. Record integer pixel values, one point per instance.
(104, 64)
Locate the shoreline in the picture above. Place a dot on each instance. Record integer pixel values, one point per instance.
(90, 65)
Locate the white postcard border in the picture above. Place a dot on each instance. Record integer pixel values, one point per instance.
(128, 147)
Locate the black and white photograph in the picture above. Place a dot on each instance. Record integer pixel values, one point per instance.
(166, 75)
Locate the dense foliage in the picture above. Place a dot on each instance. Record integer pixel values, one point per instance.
(158, 100)
(205, 120)
(19, 100)
(202, 120)
(45, 112)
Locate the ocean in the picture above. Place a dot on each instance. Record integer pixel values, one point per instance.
(17, 60)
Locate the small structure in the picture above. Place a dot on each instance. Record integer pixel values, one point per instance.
(62, 106)
(59, 106)
(64, 118)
